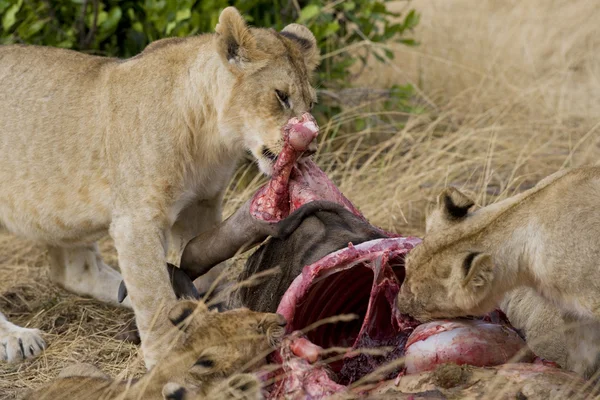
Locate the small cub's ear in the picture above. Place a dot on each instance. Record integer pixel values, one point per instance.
(478, 269)
(183, 310)
(454, 203)
(236, 44)
(307, 42)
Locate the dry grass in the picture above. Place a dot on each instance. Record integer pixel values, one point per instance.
(513, 94)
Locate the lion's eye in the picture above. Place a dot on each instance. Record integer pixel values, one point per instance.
(283, 98)
(205, 362)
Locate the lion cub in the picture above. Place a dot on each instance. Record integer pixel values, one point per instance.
(144, 147)
(546, 238)
(211, 349)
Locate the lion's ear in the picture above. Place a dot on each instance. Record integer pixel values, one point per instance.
(454, 203)
(452, 207)
(183, 312)
(478, 270)
(306, 41)
(236, 44)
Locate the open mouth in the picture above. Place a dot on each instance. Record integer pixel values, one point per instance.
(362, 280)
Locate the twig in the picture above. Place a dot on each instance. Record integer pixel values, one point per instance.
(81, 24)
(90, 35)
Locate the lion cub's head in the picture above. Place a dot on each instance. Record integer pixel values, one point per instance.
(449, 274)
(217, 344)
(273, 72)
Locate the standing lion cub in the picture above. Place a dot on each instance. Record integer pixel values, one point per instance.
(144, 146)
(546, 238)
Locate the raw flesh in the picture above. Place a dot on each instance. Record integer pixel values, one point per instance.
(363, 280)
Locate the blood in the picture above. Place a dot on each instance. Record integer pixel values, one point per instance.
(355, 367)
(363, 280)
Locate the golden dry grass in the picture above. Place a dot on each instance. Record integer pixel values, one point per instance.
(512, 92)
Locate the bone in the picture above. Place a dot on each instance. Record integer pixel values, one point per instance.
(303, 379)
(305, 349)
(272, 201)
(301, 131)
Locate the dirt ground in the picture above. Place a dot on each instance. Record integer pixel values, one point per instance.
(511, 92)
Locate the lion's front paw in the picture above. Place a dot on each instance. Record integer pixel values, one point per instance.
(18, 344)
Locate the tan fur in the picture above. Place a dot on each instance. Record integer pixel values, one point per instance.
(236, 387)
(547, 239)
(540, 321)
(229, 342)
(145, 146)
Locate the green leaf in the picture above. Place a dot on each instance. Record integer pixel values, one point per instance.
(408, 42)
(378, 57)
(309, 12)
(65, 44)
(379, 8)
(331, 28)
(411, 20)
(4, 4)
(10, 17)
(36, 27)
(348, 6)
(112, 19)
(170, 26)
(183, 14)
(102, 16)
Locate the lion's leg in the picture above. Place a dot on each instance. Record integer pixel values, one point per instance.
(583, 345)
(194, 219)
(17, 343)
(141, 246)
(82, 271)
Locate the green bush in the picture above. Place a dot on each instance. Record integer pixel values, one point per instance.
(122, 28)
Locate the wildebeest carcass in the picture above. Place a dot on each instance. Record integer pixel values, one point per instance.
(333, 262)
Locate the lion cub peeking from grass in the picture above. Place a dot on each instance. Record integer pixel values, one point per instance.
(212, 350)
(546, 238)
(143, 147)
